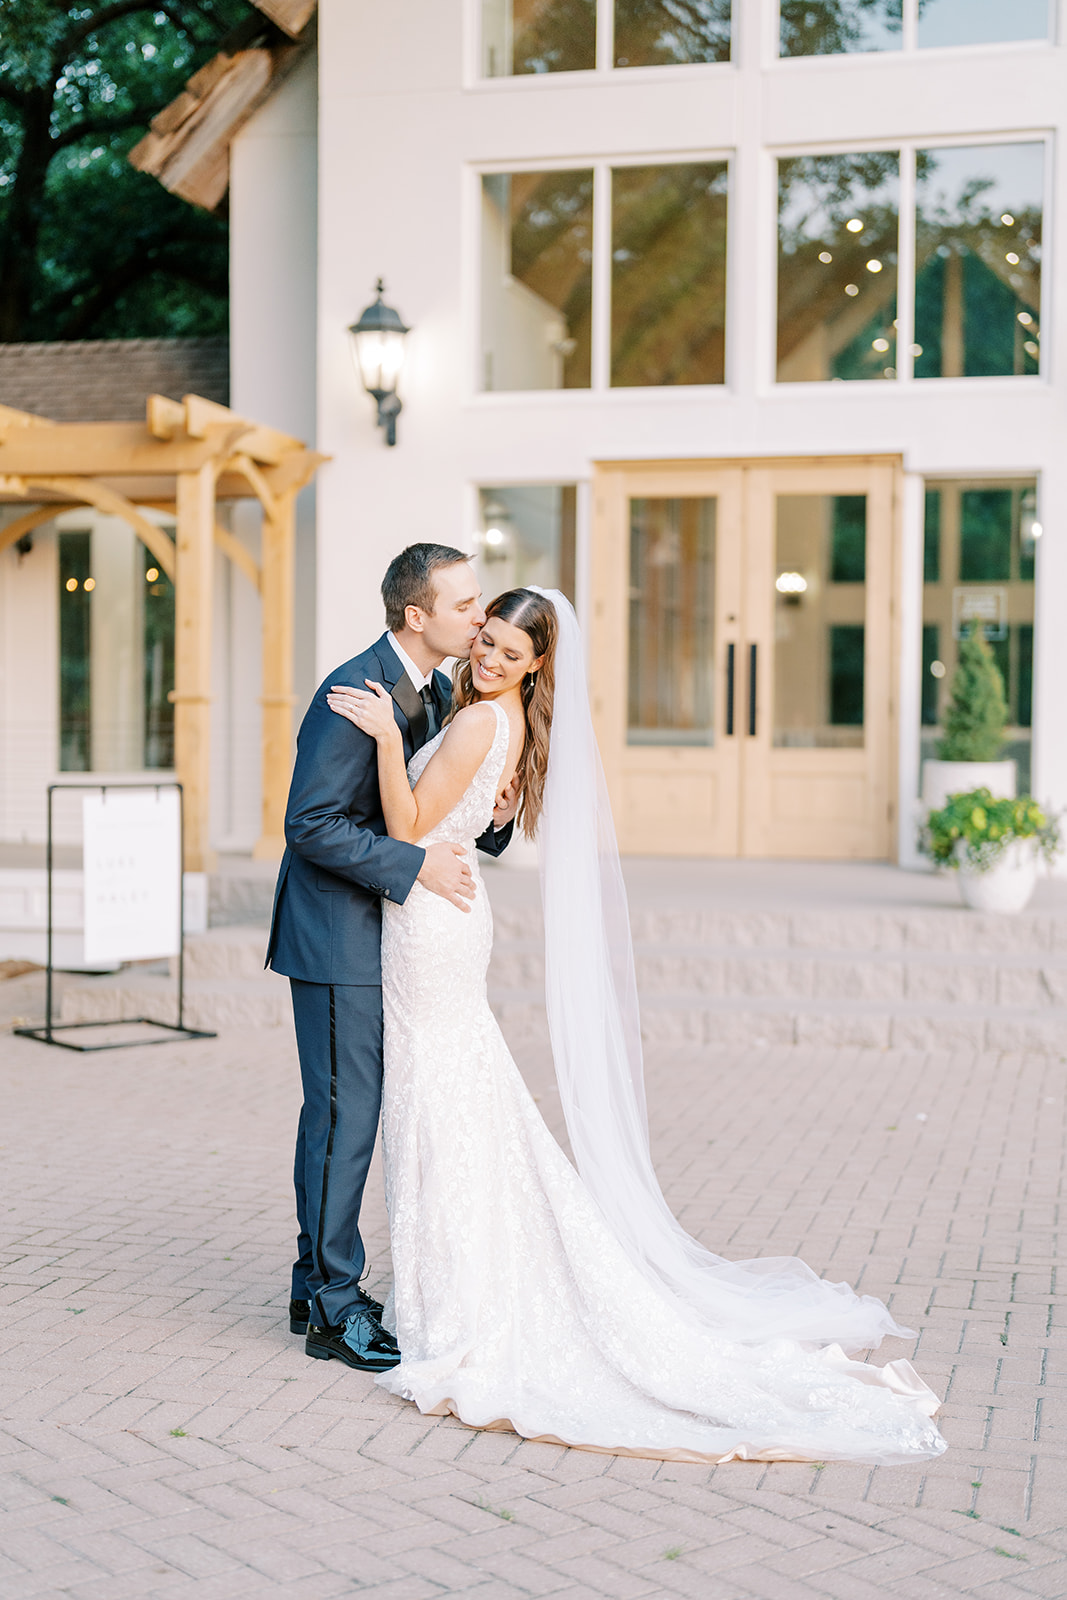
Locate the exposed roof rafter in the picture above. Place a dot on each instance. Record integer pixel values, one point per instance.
(187, 146)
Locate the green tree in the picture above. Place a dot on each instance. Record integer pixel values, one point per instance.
(89, 247)
(978, 709)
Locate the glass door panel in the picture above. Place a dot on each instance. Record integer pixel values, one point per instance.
(820, 606)
(671, 665)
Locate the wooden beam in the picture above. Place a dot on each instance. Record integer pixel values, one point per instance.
(12, 532)
(193, 592)
(110, 450)
(11, 419)
(292, 16)
(164, 418)
(277, 697)
(203, 419)
(84, 491)
(255, 480)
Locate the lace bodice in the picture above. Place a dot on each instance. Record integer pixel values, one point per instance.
(473, 812)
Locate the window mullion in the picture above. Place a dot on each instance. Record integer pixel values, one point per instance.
(906, 266)
(601, 328)
(910, 25)
(605, 35)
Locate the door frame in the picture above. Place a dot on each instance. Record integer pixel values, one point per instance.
(684, 772)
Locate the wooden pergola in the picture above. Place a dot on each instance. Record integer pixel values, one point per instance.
(183, 459)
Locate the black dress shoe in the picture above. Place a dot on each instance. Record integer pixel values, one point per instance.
(362, 1342)
(300, 1313)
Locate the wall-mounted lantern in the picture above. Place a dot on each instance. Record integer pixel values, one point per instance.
(378, 349)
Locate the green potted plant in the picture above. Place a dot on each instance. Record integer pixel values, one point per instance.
(995, 845)
(974, 729)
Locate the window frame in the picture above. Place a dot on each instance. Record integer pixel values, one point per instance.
(605, 68)
(600, 386)
(909, 49)
(906, 243)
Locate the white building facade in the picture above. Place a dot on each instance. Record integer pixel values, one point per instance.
(620, 337)
(741, 323)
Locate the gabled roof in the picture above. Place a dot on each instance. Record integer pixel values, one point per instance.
(187, 146)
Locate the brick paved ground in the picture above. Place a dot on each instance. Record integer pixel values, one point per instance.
(163, 1434)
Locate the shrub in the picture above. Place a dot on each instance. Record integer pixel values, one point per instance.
(976, 828)
(978, 710)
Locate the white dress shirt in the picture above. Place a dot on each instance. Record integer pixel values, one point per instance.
(419, 679)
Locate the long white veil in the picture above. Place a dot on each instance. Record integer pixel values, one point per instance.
(594, 1025)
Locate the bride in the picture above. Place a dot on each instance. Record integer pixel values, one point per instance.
(570, 1308)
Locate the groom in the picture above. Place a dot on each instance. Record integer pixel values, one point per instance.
(326, 933)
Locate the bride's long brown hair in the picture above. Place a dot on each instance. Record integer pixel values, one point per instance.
(536, 616)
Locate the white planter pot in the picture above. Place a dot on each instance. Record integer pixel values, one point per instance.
(944, 778)
(1006, 886)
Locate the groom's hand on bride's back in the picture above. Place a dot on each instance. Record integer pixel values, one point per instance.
(445, 872)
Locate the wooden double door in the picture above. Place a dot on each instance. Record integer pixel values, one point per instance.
(742, 650)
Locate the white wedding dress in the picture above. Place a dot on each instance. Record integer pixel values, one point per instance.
(513, 1302)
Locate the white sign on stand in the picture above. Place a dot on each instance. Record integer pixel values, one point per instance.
(132, 856)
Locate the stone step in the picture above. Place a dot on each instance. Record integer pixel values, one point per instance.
(696, 1020)
(213, 1003)
(941, 977)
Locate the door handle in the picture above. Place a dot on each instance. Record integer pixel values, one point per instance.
(752, 678)
(731, 652)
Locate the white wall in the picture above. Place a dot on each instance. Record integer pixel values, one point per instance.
(273, 248)
(402, 138)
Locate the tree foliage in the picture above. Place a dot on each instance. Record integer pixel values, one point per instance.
(89, 247)
(978, 709)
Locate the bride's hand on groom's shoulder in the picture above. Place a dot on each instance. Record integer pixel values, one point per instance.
(371, 712)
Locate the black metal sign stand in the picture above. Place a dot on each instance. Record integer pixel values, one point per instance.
(177, 1030)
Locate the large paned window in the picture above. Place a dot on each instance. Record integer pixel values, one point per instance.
(832, 27)
(971, 294)
(664, 269)
(837, 27)
(837, 266)
(668, 274)
(657, 33)
(116, 653)
(978, 260)
(956, 22)
(523, 37)
(537, 278)
(527, 534)
(979, 563)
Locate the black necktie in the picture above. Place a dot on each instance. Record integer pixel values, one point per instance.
(432, 724)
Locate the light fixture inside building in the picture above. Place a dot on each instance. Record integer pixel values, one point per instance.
(852, 289)
(792, 585)
(937, 669)
(1030, 529)
(496, 536)
(854, 225)
(378, 349)
(874, 266)
(1007, 219)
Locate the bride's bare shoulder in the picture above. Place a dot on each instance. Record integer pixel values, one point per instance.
(472, 728)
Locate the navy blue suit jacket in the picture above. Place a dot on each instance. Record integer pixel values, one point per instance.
(339, 861)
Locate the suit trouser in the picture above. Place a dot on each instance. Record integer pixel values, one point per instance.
(339, 1040)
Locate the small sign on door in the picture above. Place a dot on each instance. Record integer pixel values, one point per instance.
(988, 606)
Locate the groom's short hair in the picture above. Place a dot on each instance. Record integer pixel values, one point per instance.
(409, 580)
